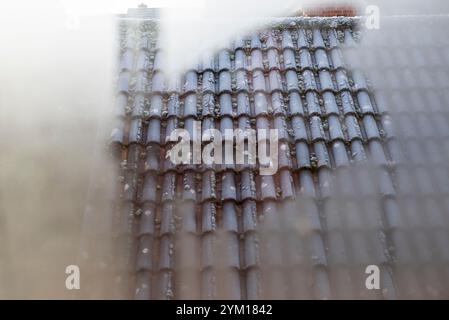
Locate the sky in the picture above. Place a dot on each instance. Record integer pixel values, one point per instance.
(121, 6)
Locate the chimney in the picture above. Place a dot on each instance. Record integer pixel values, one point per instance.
(332, 9)
(143, 12)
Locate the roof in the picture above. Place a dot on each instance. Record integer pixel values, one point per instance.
(223, 231)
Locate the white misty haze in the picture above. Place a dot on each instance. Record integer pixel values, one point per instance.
(54, 89)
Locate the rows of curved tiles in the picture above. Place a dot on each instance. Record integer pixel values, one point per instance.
(224, 231)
